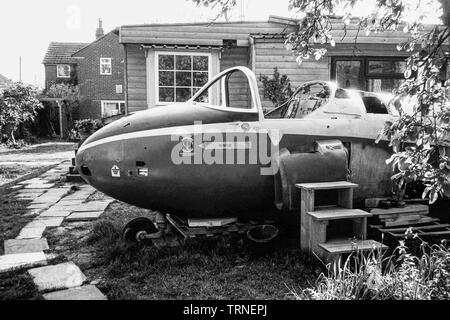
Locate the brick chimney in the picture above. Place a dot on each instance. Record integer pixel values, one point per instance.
(99, 32)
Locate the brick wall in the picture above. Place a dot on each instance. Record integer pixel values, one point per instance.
(51, 76)
(95, 87)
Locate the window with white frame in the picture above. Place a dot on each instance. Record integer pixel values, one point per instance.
(112, 108)
(180, 75)
(105, 66)
(63, 70)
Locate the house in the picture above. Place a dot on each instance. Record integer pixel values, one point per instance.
(97, 69)
(168, 62)
(59, 65)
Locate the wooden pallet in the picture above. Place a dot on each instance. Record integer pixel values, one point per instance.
(187, 232)
(412, 213)
(432, 228)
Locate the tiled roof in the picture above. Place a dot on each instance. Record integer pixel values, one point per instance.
(61, 52)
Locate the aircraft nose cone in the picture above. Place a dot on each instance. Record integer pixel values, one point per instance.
(82, 164)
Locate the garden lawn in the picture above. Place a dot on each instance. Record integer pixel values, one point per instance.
(15, 163)
(203, 269)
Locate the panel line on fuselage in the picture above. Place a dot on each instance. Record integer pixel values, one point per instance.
(357, 128)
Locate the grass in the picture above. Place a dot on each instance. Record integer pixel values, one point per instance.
(10, 172)
(17, 286)
(14, 285)
(12, 218)
(223, 268)
(15, 163)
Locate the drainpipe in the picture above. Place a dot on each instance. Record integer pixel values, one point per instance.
(125, 75)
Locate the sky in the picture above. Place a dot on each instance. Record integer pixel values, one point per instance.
(27, 27)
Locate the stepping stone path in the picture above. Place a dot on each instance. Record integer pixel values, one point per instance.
(31, 231)
(14, 246)
(52, 205)
(89, 292)
(11, 262)
(57, 277)
(84, 216)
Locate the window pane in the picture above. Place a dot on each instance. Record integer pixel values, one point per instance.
(110, 109)
(183, 62)
(238, 91)
(183, 79)
(200, 79)
(166, 78)
(166, 94)
(383, 85)
(105, 66)
(348, 74)
(183, 94)
(63, 70)
(166, 62)
(200, 63)
(386, 66)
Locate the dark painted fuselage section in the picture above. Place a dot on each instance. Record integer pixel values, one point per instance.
(141, 147)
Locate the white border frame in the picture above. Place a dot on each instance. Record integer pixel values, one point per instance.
(100, 66)
(63, 64)
(176, 53)
(102, 103)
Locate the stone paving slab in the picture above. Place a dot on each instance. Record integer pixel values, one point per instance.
(50, 197)
(89, 292)
(84, 216)
(64, 202)
(14, 246)
(50, 222)
(55, 212)
(46, 222)
(39, 186)
(86, 206)
(30, 181)
(39, 205)
(31, 191)
(60, 276)
(31, 232)
(12, 262)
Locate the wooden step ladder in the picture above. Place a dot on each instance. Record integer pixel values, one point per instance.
(314, 221)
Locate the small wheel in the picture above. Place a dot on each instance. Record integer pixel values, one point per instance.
(137, 226)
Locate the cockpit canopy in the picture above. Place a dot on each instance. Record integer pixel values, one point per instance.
(322, 99)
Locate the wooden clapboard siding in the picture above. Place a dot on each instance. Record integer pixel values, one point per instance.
(136, 78)
(260, 46)
(274, 54)
(238, 85)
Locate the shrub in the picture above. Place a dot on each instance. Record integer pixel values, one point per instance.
(88, 125)
(277, 89)
(400, 276)
(18, 104)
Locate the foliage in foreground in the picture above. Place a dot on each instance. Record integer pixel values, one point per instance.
(400, 276)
